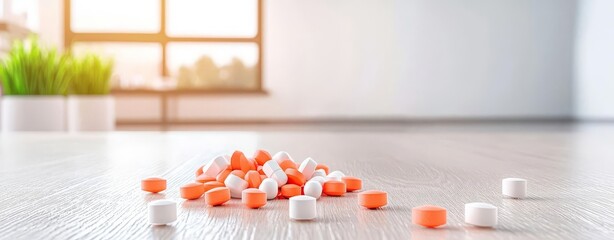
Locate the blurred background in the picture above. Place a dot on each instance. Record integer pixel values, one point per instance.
(189, 63)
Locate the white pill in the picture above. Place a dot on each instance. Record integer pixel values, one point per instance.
(280, 177)
(319, 172)
(481, 214)
(280, 156)
(313, 189)
(270, 187)
(162, 212)
(302, 208)
(270, 167)
(236, 185)
(514, 187)
(308, 167)
(216, 166)
(336, 175)
(318, 179)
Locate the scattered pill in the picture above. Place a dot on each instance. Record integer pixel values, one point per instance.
(290, 190)
(236, 185)
(262, 156)
(281, 177)
(287, 163)
(253, 179)
(319, 172)
(199, 170)
(308, 167)
(238, 173)
(203, 178)
(481, 214)
(352, 183)
(253, 198)
(211, 185)
(319, 179)
(334, 188)
(313, 189)
(237, 159)
(270, 187)
(217, 196)
(153, 184)
(162, 212)
(223, 175)
(428, 216)
(192, 191)
(514, 187)
(323, 167)
(295, 177)
(216, 166)
(270, 167)
(373, 199)
(335, 175)
(279, 156)
(302, 208)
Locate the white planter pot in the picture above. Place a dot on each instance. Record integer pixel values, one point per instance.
(33, 113)
(91, 113)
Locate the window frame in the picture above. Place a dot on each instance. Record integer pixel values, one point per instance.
(162, 38)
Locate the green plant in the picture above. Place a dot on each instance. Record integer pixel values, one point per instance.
(32, 69)
(91, 75)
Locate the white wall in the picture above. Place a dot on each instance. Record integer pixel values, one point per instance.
(595, 60)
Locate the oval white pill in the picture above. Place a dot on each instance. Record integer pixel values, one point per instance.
(162, 212)
(270, 187)
(216, 165)
(236, 185)
(481, 214)
(270, 167)
(313, 189)
(335, 175)
(302, 208)
(319, 172)
(514, 187)
(308, 167)
(280, 156)
(319, 179)
(280, 177)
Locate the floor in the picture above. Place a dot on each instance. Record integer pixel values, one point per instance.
(86, 186)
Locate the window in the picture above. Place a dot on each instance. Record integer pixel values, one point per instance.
(182, 45)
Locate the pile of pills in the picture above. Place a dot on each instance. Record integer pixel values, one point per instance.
(263, 177)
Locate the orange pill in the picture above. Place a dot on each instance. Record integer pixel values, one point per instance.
(323, 166)
(247, 165)
(428, 216)
(238, 173)
(236, 160)
(262, 156)
(373, 199)
(211, 185)
(204, 178)
(259, 168)
(199, 171)
(290, 190)
(217, 196)
(287, 163)
(334, 188)
(253, 179)
(223, 175)
(153, 184)
(253, 198)
(295, 177)
(192, 191)
(352, 183)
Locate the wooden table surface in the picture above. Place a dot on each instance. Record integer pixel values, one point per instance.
(86, 186)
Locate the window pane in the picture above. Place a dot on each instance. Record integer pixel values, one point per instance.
(212, 18)
(136, 65)
(142, 16)
(213, 65)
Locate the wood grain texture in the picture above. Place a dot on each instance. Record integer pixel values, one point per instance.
(86, 186)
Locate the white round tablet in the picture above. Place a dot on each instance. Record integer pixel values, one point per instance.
(270, 167)
(481, 214)
(313, 189)
(270, 187)
(280, 156)
(514, 187)
(162, 212)
(302, 208)
(336, 175)
(216, 165)
(308, 167)
(236, 185)
(280, 176)
(319, 172)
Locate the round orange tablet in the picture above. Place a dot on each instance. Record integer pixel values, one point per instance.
(290, 190)
(295, 177)
(323, 166)
(217, 196)
(373, 199)
(192, 191)
(153, 184)
(334, 188)
(428, 216)
(352, 183)
(204, 178)
(199, 171)
(262, 156)
(238, 173)
(237, 159)
(253, 179)
(211, 185)
(253, 198)
(287, 163)
(223, 175)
